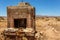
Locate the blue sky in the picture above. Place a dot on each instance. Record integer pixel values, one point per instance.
(43, 7)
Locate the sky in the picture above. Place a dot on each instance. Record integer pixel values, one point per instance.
(43, 7)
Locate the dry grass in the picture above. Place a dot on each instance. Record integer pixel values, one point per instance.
(50, 27)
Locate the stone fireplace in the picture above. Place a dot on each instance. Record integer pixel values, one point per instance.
(22, 15)
(21, 22)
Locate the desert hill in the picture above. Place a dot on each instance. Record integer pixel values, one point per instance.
(49, 26)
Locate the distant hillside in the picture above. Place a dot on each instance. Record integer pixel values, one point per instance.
(3, 22)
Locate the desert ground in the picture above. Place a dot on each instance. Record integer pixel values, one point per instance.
(49, 26)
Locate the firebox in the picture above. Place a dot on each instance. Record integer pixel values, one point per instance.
(20, 23)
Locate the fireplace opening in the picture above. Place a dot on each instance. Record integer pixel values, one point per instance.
(20, 23)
